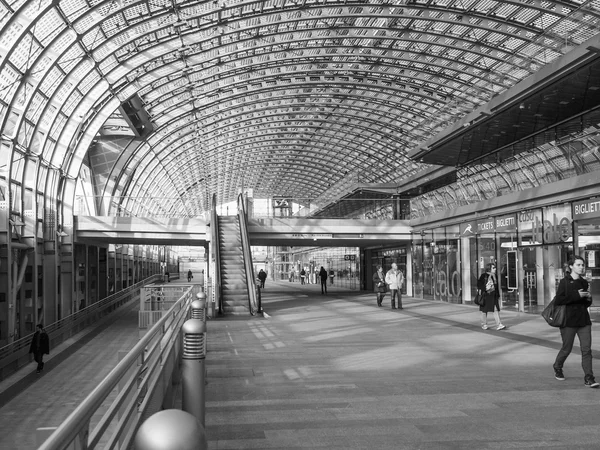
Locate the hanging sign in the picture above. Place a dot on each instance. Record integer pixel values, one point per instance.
(586, 209)
(506, 223)
(486, 226)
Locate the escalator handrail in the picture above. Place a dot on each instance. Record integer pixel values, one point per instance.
(250, 279)
(216, 253)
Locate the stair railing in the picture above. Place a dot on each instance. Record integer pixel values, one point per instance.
(250, 279)
(214, 233)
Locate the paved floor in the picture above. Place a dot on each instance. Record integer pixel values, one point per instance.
(336, 372)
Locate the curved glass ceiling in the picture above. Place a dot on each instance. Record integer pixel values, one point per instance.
(169, 102)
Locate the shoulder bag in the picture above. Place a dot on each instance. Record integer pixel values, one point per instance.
(479, 300)
(555, 315)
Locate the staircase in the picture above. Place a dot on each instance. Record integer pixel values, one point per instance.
(233, 274)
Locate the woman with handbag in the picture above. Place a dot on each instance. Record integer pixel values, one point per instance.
(379, 285)
(573, 293)
(488, 285)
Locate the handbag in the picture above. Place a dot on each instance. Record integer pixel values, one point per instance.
(479, 300)
(555, 315)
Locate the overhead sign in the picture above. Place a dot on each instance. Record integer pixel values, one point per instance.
(506, 223)
(473, 227)
(312, 236)
(586, 209)
(349, 257)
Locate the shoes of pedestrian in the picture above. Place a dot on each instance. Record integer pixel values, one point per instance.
(484, 327)
(38, 371)
(591, 382)
(501, 327)
(559, 375)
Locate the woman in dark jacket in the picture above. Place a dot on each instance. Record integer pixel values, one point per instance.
(379, 285)
(573, 292)
(488, 285)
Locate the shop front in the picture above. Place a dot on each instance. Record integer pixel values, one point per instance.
(530, 249)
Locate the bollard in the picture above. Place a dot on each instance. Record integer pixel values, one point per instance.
(199, 307)
(171, 429)
(193, 368)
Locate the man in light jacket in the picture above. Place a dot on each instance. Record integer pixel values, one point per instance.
(395, 280)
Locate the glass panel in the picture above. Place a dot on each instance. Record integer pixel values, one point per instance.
(428, 265)
(529, 226)
(417, 269)
(453, 278)
(558, 224)
(588, 247)
(439, 269)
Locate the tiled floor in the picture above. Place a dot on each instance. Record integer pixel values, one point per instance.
(336, 372)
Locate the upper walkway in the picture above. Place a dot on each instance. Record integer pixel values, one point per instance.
(267, 231)
(334, 371)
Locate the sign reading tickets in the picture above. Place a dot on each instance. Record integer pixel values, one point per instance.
(586, 209)
(486, 226)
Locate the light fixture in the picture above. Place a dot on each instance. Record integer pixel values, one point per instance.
(61, 234)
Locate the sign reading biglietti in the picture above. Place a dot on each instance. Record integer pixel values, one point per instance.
(506, 223)
(586, 209)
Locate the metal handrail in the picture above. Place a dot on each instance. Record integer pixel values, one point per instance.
(137, 387)
(214, 232)
(250, 280)
(64, 328)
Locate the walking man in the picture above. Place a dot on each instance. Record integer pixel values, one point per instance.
(40, 346)
(262, 276)
(395, 279)
(323, 276)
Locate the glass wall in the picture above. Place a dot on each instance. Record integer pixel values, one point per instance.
(530, 249)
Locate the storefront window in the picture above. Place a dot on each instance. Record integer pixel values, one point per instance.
(486, 245)
(586, 215)
(428, 265)
(439, 269)
(558, 240)
(506, 242)
(417, 269)
(529, 227)
(453, 279)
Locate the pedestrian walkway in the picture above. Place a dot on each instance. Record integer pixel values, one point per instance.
(336, 372)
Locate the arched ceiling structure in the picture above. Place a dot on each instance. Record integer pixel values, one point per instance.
(169, 102)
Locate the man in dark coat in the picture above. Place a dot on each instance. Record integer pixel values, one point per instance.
(323, 275)
(40, 346)
(262, 276)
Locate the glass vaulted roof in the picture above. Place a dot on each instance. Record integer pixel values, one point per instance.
(169, 102)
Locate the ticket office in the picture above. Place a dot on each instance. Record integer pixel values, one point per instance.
(530, 249)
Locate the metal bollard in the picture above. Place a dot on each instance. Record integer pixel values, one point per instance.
(199, 307)
(193, 372)
(171, 429)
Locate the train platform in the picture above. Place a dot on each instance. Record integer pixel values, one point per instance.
(336, 372)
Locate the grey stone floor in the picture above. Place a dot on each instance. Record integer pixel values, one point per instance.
(336, 372)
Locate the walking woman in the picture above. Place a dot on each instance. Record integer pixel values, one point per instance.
(379, 285)
(573, 292)
(488, 285)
